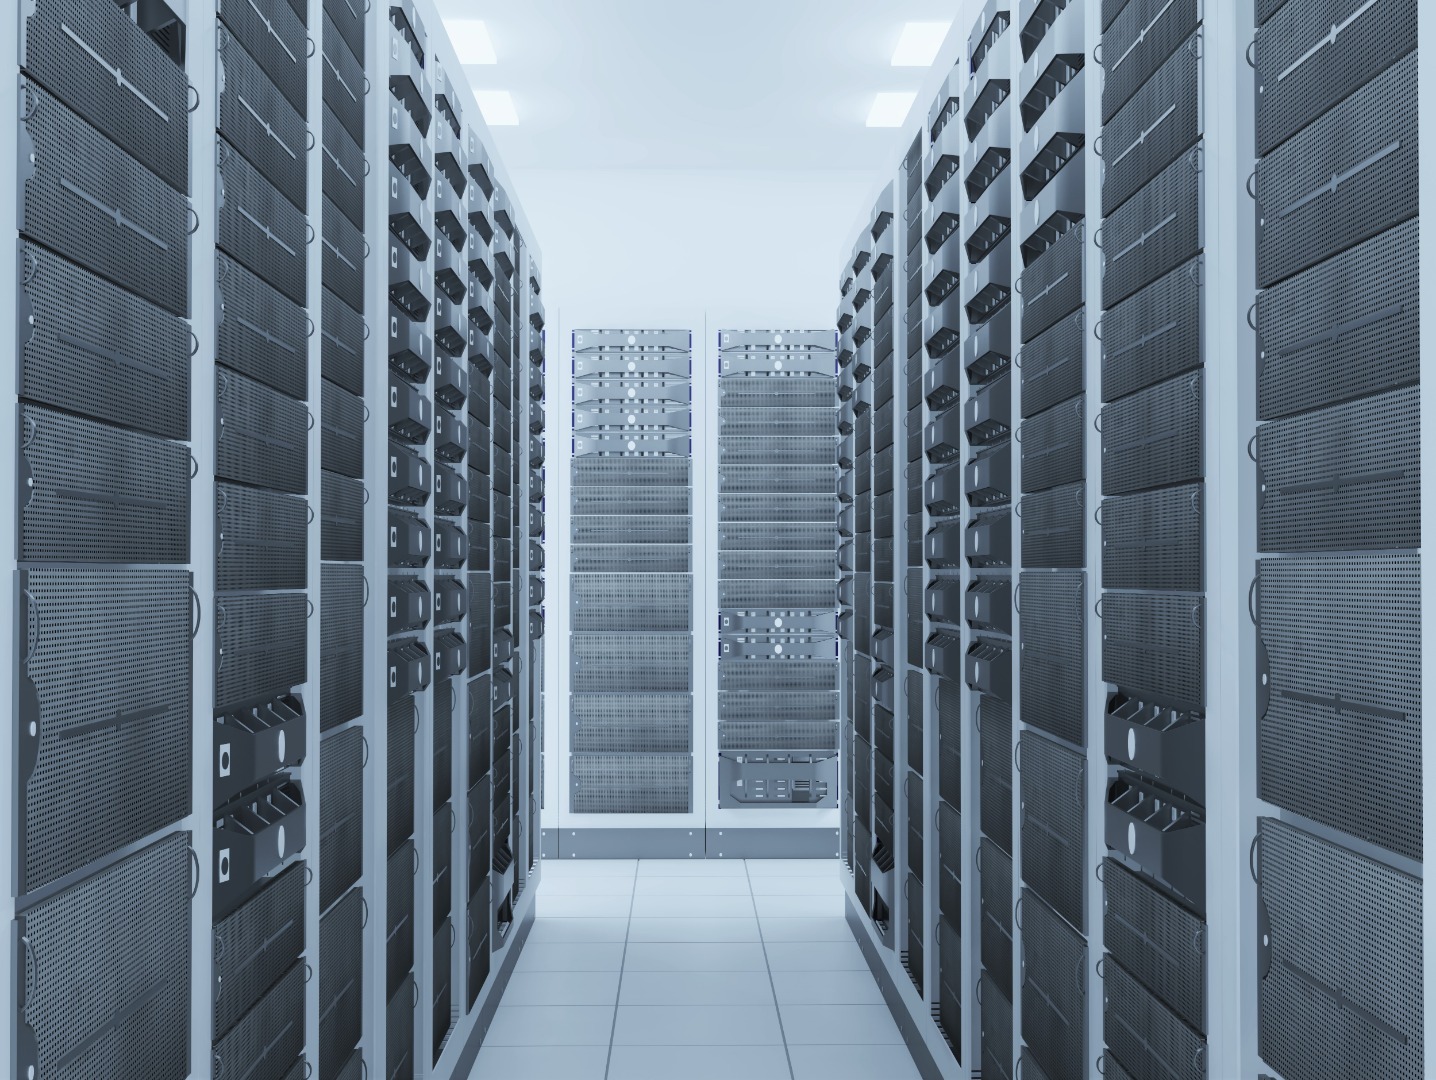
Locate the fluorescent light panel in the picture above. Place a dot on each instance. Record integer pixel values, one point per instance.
(889, 109)
(919, 43)
(498, 107)
(470, 38)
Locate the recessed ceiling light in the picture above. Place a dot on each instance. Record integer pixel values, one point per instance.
(498, 107)
(471, 41)
(889, 109)
(919, 43)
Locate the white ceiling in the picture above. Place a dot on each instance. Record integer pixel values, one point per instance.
(697, 84)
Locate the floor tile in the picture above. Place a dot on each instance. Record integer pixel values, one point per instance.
(691, 885)
(802, 885)
(552, 931)
(551, 1025)
(590, 867)
(547, 905)
(823, 928)
(697, 1025)
(691, 868)
(793, 867)
(824, 1025)
(694, 907)
(852, 1063)
(570, 956)
(815, 956)
(561, 988)
(644, 929)
(578, 885)
(695, 956)
(696, 988)
(699, 1063)
(798, 906)
(540, 1062)
(826, 988)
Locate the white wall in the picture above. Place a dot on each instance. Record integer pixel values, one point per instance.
(641, 247)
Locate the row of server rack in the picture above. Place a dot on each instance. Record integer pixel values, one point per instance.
(277, 669)
(1131, 635)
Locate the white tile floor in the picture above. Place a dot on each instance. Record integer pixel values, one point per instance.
(706, 970)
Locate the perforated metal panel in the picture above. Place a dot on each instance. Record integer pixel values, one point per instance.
(1160, 942)
(1158, 123)
(1153, 438)
(105, 988)
(1342, 329)
(1152, 646)
(1050, 780)
(1139, 38)
(1147, 1037)
(994, 724)
(88, 346)
(261, 539)
(344, 168)
(94, 493)
(341, 655)
(344, 252)
(342, 431)
(270, 1038)
(401, 727)
(103, 713)
(1339, 693)
(260, 645)
(1341, 988)
(1053, 524)
(274, 35)
(1053, 365)
(631, 723)
(261, 436)
(87, 200)
(1153, 334)
(1153, 540)
(1052, 607)
(630, 662)
(631, 783)
(1052, 285)
(610, 602)
(259, 227)
(341, 518)
(260, 122)
(994, 1013)
(1345, 178)
(399, 1031)
(256, 944)
(995, 876)
(344, 82)
(341, 813)
(1053, 446)
(1153, 232)
(341, 972)
(261, 333)
(1054, 998)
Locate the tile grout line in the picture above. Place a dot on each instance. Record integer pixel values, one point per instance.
(622, 964)
(787, 1053)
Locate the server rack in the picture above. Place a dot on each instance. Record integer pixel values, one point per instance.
(192, 257)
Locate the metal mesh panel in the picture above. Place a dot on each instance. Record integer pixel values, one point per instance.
(771, 479)
(1157, 124)
(262, 435)
(1052, 285)
(1348, 176)
(1053, 446)
(1154, 334)
(91, 347)
(341, 651)
(87, 200)
(767, 395)
(341, 813)
(93, 493)
(344, 169)
(256, 944)
(768, 539)
(1339, 694)
(399, 1031)
(347, 19)
(1153, 540)
(779, 676)
(1341, 330)
(1111, 1068)
(344, 251)
(1153, 438)
(766, 509)
(1153, 232)
(778, 423)
(262, 333)
(1152, 646)
(605, 663)
(259, 227)
(1137, 41)
(104, 713)
(784, 734)
(341, 518)
(631, 723)
(1344, 478)
(734, 566)
(260, 642)
(104, 65)
(1343, 993)
(1313, 55)
(768, 594)
(995, 878)
(262, 541)
(260, 122)
(341, 431)
(344, 82)
(610, 602)
(994, 1013)
(631, 783)
(1053, 524)
(1052, 365)
(481, 616)
(607, 501)
(744, 705)
(106, 982)
(1144, 1034)
(632, 529)
(267, 1042)
(341, 971)
(1158, 941)
(274, 36)
(1054, 999)
(401, 771)
(631, 472)
(771, 448)
(994, 724)
(1053, 823)
(1052, 609)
